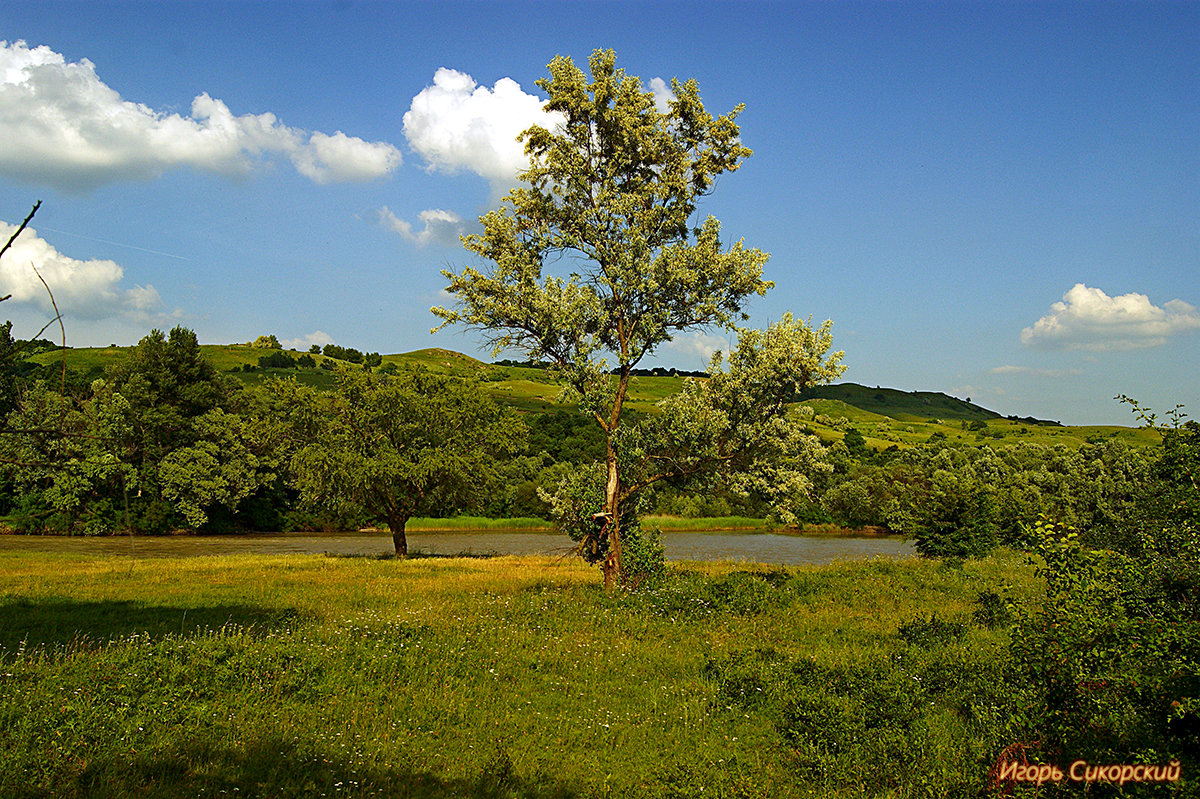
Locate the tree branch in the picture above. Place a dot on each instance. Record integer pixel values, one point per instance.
(61, 327)
(13, 237)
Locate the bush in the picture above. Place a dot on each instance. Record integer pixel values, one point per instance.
(268, 342)
(276, 360)
(642, 555)
(992, 611)
(949, 515)
(930, 632)
(574, 505)
(1110, 656)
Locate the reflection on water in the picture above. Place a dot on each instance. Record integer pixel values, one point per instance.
(754, 547)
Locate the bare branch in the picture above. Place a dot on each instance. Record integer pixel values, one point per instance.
(61, 327)
(13, 237)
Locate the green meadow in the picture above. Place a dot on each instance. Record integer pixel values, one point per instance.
(321, 676)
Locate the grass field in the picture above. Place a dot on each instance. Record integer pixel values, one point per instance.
(318, 676)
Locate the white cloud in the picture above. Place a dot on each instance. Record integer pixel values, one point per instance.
(697, 346)
(441, 227)
(1025, 370)
(318, 337)
(82, 288)
(662, 94)
(455, 124)
(61, 125)
(340, 158)
(1089, 319)
(142, 298)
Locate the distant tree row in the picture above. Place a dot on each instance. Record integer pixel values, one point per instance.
(351, 355)
(657, 371)
(276, 360)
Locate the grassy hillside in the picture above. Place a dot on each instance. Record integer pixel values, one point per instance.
(886, 417)
(905, 406)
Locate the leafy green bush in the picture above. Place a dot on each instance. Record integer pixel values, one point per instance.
(276, 360)
(642, 554)
(575, 504)
(1112, 656)
(992, 611)
(949, 514)
(842, 720)
(1110, 659)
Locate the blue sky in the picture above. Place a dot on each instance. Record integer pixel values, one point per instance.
(996, 200)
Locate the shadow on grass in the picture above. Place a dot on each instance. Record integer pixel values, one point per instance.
(279, 768)
(56, 622)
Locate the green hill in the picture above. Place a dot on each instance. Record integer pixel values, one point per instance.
(885, 416)
(903, 406)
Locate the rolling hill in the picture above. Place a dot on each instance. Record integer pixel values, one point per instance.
(885, 416)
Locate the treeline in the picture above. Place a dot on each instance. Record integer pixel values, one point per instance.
(964, 500)
(657, 371)
(162, 441)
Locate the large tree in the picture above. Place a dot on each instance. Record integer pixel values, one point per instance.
(395, 446)
(610, 198)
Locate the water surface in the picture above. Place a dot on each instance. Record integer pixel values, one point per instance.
(753, 547)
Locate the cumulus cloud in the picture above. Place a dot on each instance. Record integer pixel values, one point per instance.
(340, 158)
(61, 125)
(318, 337)
(82, 288)
(142, 298)
(697, 346)
(456, 124)
(442, 227)
(1089, 319)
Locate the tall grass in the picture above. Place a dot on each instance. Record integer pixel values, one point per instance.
(311, 676)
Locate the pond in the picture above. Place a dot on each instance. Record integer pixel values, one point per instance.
(754, 547)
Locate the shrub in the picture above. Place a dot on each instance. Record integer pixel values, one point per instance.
(268, 342)
(1110, 656)
(992, 611)
(642, 555)
(276, 360)
(948, 514)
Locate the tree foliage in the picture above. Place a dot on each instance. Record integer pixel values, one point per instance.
(395, 446)
(609, 200)
(160, 442)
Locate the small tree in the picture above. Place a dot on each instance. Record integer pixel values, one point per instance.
(268, 342)
(610, 194)
(395, 446)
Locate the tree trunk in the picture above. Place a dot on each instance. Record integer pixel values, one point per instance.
(614, 573)
(397, 523)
